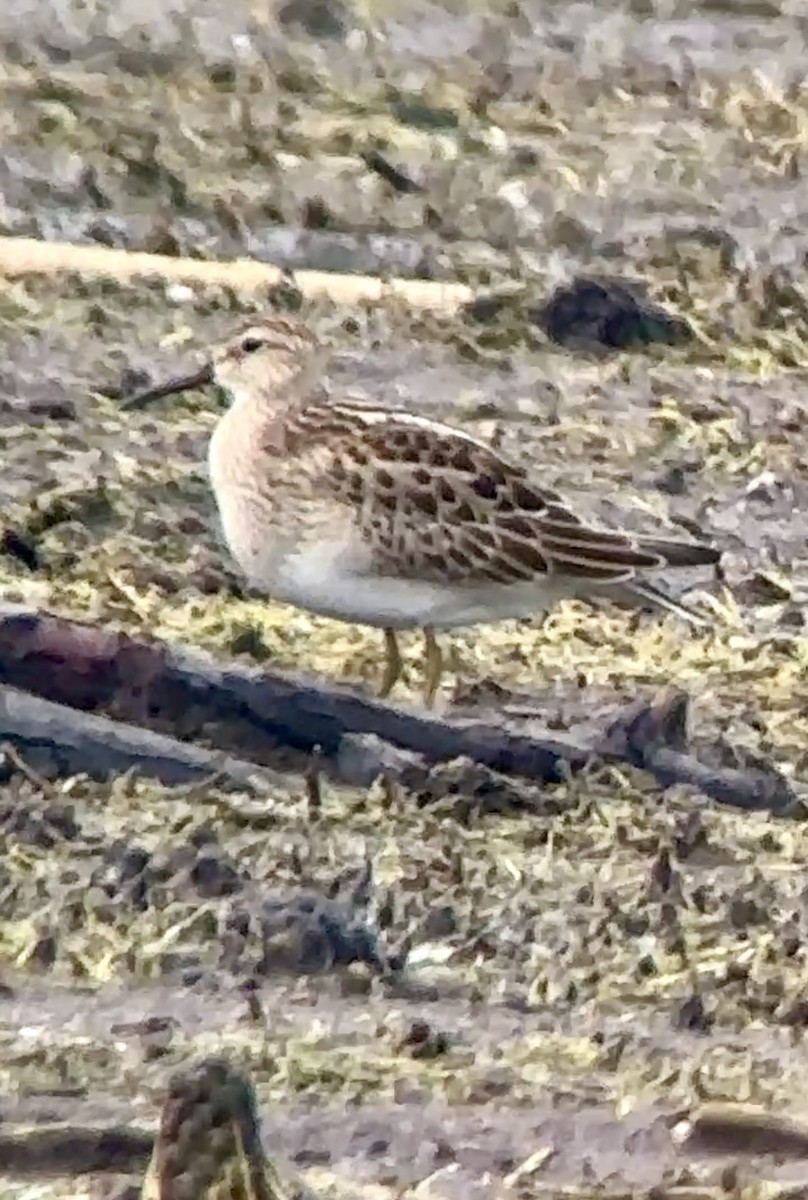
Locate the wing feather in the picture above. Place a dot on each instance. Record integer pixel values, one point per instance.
(435, 503)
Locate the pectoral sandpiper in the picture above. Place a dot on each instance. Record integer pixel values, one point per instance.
(374, 515)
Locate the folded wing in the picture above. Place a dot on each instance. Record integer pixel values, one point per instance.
(433, 503)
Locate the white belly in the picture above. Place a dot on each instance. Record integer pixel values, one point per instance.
(320, 580)
(333, 577)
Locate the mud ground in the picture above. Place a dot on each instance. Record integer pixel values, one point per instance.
(558, 996)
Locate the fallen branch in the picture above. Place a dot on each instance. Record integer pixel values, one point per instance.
(74, 1150)
(258, 714)
(29, 256)
(56, 740)
(253, 712)
(654, 737)
(719, 1127)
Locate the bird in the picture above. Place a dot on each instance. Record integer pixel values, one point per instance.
(208, 1144)
(380, 516)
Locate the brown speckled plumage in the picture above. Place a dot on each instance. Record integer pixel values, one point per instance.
(376, 515)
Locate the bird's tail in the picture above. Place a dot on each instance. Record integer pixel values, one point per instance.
(681, 554)
(642, 594)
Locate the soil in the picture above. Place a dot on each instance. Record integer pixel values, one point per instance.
(565, 994)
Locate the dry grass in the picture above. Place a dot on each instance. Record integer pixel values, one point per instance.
(566, 981)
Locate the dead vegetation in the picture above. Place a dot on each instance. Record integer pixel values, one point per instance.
(437, 990)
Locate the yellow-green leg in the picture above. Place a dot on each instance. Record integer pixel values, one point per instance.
(392, 665)
(433, 667)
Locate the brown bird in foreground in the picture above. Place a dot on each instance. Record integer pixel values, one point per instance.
(374, 515)
(208, 1145)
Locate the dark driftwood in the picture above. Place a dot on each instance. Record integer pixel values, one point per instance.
(74, 1150)
(724, 1128)
(56, 740)
(654, 737)
(258, 714)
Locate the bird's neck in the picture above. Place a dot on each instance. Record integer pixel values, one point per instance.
(255, 421)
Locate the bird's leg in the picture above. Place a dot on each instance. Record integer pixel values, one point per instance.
(392, 666)
(433, 667)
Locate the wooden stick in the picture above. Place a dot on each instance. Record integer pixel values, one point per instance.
(28, 256)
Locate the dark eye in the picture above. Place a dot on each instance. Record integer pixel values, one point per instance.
(251, 344)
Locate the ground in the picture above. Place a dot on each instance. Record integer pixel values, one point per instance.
(573, 1002)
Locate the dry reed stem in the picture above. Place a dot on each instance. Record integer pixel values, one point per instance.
(29, 256)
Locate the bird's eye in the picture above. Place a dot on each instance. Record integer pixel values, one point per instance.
(251, 344)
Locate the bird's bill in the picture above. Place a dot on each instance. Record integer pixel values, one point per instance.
(182, 383)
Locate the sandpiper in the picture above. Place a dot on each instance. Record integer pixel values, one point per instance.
(378, 516)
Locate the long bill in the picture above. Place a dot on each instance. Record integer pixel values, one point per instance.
(182, 383)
